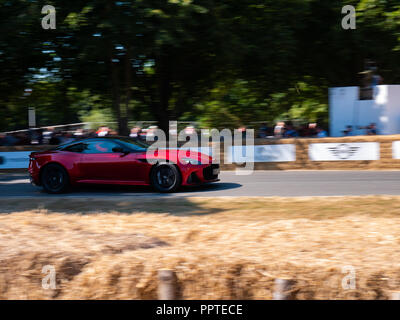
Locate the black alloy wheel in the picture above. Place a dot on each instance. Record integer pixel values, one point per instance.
(165, 177)
(54, 178)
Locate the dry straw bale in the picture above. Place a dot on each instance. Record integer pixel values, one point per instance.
(220, 249)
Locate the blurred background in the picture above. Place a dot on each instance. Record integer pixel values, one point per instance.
(125, 67)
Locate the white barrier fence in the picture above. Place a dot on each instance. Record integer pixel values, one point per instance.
(396, 149)
(368, 151)
(14, 160)
(265, 153)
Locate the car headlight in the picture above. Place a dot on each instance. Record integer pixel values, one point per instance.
(190, 161)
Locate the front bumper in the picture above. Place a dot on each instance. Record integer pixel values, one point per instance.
(202, 174)
(211, 172)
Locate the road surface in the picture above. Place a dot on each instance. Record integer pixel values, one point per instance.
(258, 184)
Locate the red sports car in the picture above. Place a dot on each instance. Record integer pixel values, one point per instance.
(118, 160)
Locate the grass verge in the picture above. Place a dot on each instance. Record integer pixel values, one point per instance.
(221, 248)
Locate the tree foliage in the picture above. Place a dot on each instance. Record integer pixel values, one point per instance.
(224, 63)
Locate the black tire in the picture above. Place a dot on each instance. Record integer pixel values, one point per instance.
(54, 178)
(165, 177)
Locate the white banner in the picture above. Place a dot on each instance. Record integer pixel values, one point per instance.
(14, 160)
(396, 149)
(344, 151)
(264, 153)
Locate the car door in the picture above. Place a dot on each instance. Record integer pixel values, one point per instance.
(134, 167)
(100, 162)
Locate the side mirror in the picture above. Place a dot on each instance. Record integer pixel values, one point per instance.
(121, 150)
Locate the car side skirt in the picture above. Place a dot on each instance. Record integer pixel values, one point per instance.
(114, 182)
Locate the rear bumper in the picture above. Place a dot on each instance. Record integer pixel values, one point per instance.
(33, 173)
(34, 180)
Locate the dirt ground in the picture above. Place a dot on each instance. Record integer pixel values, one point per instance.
(225, 248)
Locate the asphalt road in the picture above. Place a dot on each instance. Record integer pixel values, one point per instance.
(260, 183)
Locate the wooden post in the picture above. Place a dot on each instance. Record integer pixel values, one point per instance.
(395, 295)
(166, 284)
(283, 289)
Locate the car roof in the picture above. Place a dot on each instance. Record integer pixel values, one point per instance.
(79, 140)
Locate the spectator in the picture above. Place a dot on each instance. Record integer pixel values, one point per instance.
(290, 132)
(67, 137)
(312, 129)
(40, 136)
(372, 130)
(22, 138)
(150, 132)
(33, 136)
(279, 129)
(55, 139)
(47, 135)
(9, 140)
(376, 80)
(102, 132)
(243, 131)
(190, 130)
(304, 131)
(91, 133)
(135, 132)
(78, 134)
(321, 133)
(2, 139)
(348, 131)
(263, 131)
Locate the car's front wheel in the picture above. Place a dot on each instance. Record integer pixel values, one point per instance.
(54, 178)
(165, 177)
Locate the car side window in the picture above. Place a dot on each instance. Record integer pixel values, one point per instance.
(79, 147)
(100, 146)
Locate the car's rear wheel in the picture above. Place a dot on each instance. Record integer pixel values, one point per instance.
(165, 177)
(54, 178)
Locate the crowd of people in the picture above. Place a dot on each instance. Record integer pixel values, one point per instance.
(283, 130)
(289, 130)
(370, 130)
(49, 136)
(55, 136)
